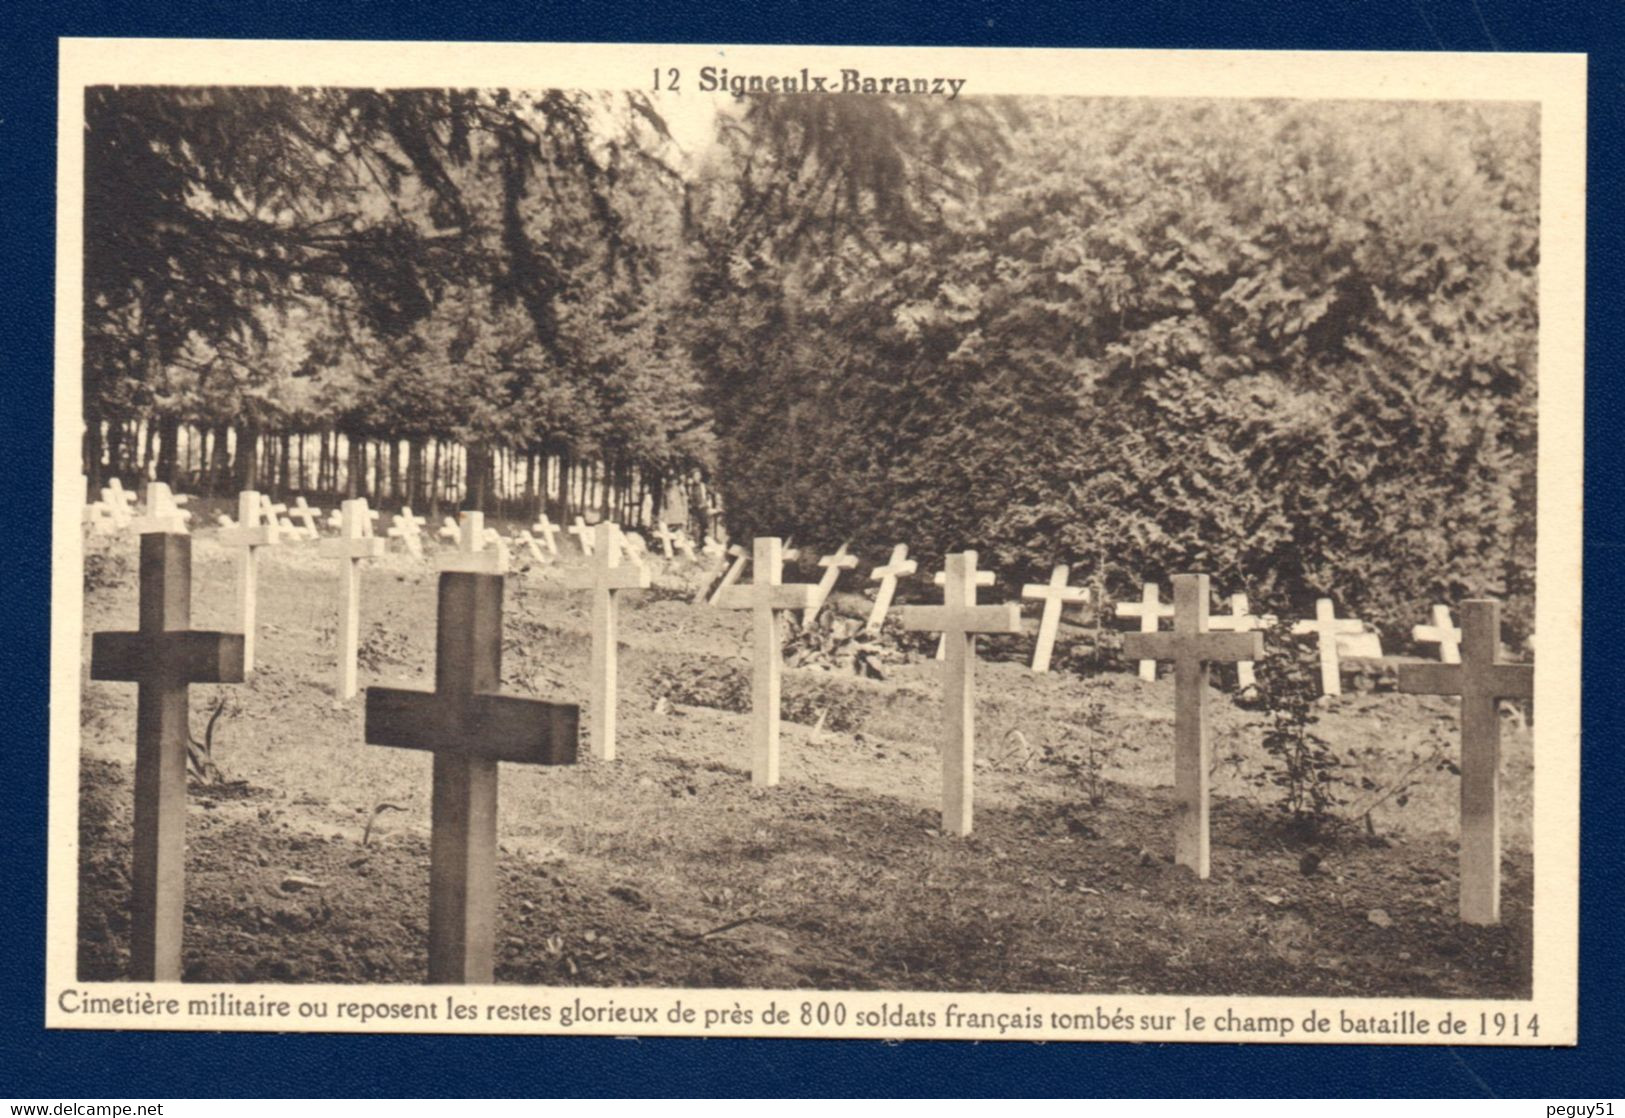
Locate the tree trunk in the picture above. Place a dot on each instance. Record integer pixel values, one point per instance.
(169, 429)
(93, 446)
(355, 469)
(477, 490)
(248, 441)
(414, 473)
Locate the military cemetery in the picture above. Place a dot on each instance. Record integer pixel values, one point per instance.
(1232, 719)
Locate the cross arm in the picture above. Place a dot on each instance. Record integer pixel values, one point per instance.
(1221, 648)
(624, 576)
(795, 595)
(1430, 679)
(352, 547)
(1513, 681)
(488, 726)
(963, 619)
(195, 656)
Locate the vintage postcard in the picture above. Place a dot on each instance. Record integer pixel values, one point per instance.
(804, 541)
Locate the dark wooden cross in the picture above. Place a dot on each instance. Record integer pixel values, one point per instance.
(163, 657)
(1482, 679)
(1192, 646)
(469, 725)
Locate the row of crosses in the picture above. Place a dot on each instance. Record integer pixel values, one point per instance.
(470, 725)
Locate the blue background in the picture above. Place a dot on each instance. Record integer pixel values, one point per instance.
(78, 1065)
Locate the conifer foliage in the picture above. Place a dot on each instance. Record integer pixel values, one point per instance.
(1290, 344)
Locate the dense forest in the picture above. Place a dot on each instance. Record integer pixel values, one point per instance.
(1292, 344)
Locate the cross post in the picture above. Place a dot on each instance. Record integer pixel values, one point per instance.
(163, 657)
(252, 532)
(898, 565)
(350, 547)
(582, 531)
(833, 566)
(766, 596)
(983, 578)
(606, 577)
(532, 545)
(549, 531)
(1149, 609)
(1054, 594)
(1327, 627)
(306, 518)
(408, 529)
(959, 619)
(740, 557)
(1238, 620)
(161, 513)
(1482, 679)
(1442, 632)
(666, 537)
(473, 556)
(118, 501)
(469, 726)
(1192, 646)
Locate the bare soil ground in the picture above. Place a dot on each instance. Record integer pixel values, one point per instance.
(667, 868)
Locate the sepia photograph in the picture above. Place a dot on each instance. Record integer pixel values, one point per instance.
(817, 542)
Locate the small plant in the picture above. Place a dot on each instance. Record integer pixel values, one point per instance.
(1435, 759)
(105, 567)
(1302, 766)
(200, 763)
(1085, 750)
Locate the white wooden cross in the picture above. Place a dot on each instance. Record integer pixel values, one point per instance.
(765, 597)
(531, 544)
(685, 546)
(1240, 621)
(549, 531)
(606, 576)
(583, 534)
(1442, 632)
(476, 553)
(711, 548)
(251, 533)
(666, 537)
(1149, 609)
(1327, 627)
(306, 518)
(898, 565)
(1192, 646)
(735, 569)
(335, 520)
(833, 566)
(983, 578)
(959, 618)
(160, 513)
(1055, 594)
(633, 543)
(408, 529)
(449, 529)
(118, 501)
(273, 511)
(1482, 679)
(350, 547)
(100, 518)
